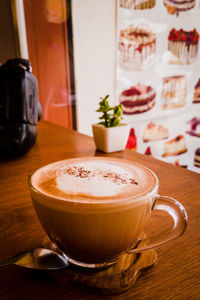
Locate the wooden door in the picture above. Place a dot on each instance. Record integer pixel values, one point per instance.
(47, 27)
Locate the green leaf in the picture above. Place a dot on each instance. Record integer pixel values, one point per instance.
(110, 119)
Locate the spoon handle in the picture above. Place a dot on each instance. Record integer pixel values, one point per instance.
(40, 258)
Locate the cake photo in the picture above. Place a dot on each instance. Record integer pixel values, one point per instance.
(174, 91)
(137, 99)
(132, 140)
(176, 6)
(154, 132)
(194, 127)
(137, 48)
(196, 97)
(175, 146)
(197, 158)
(137, 4)
(183, 46)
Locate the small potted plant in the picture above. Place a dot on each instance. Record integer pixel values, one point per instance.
(110, 135)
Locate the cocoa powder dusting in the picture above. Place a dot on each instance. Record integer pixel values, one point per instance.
(78, 172)
(111, 176)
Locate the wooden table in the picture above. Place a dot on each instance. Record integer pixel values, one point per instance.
(177, 273)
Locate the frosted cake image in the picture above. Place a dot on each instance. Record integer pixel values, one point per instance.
(193, 127)
(137, 47)
(137, 99)
(174, 92)
(137, 4)
(154, 132)
(183, 46)
(175, 146)
(197, 158)
(196, 97)
(176, 6)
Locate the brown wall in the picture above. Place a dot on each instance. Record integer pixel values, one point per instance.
(7, 35)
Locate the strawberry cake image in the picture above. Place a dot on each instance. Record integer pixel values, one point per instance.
(137, 4)
(183, 46)
(137, 47)
(154, 132)
(137, 99)
(176, 6)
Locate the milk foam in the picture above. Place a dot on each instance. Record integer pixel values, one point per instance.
(97, 179)
(93, 178)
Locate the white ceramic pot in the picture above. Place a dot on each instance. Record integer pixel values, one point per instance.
(110, 139)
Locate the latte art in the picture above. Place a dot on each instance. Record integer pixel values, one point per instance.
(96, 179)
(93, 179)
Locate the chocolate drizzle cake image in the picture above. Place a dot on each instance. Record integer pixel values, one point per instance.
(175, 146)
(137, 4)
(183, 46)
(197, 158)
(137, 99)
(137, 47)
(174, 91)
(196, 97)
(176, 6)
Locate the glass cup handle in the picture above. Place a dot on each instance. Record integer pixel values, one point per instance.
(179, 215)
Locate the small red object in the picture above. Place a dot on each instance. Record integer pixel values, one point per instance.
(148, 151)
(132, 140)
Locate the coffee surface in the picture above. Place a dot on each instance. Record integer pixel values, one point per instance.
(86, 179)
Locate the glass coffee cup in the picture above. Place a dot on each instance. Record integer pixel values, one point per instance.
(95, 208)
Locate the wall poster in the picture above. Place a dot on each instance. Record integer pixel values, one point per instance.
(158, 78)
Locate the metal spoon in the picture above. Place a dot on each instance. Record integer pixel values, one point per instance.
(40, 258)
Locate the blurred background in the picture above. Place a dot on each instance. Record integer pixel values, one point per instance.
(73, 47)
